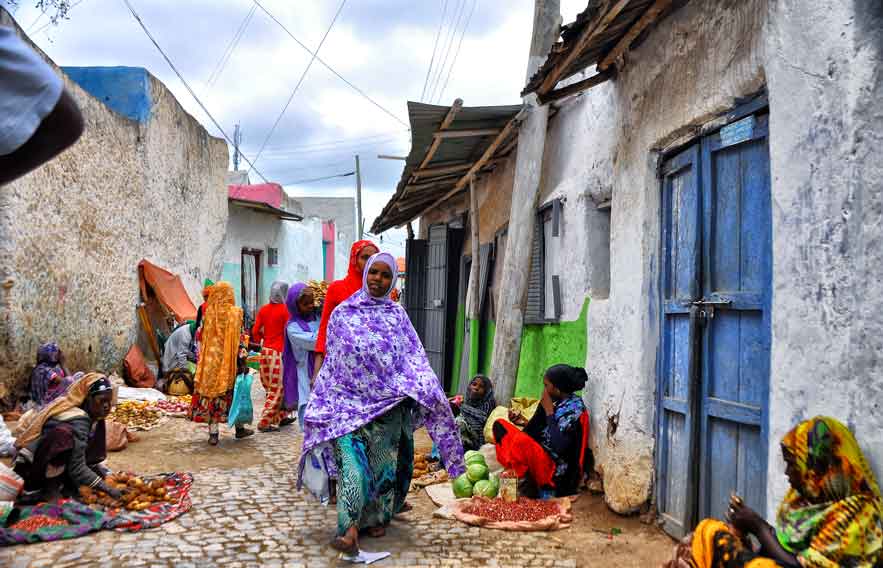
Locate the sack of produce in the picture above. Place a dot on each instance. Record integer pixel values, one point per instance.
(241, 410)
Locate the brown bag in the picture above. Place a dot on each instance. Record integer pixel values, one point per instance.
(138, 374)
(115, 436)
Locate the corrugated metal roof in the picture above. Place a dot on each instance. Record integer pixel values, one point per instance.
(416, 193)
(607, 22)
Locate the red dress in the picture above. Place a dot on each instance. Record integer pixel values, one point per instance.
(341, 290)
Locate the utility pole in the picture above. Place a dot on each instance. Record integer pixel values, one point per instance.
(237, 140)
(359, 221)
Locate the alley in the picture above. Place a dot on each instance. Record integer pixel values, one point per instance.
(247, 512)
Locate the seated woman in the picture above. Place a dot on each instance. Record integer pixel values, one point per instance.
(473, 411)
(549, 453)
(375, 388)
(831, 516)
(61, 447)
(49, 379)
(179, 356)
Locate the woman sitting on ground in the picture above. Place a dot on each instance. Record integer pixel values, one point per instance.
(60, 448)
(831, 516)
(374, 389)
(549, 453)
(473, 411)
(49, 379)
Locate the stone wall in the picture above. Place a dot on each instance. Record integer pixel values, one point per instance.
(73, 231)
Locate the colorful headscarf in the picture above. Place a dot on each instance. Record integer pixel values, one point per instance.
(31, 424)
(289, 361)
(835, 516)
(221, 331)
(374, 361)
(390, 261)
(476, 411)
(278, 290)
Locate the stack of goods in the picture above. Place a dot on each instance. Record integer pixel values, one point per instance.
(426, 472)
(320, 288)
(421, 464)
(137, 415)
(477, 480)
(175, 405)
(137, 494)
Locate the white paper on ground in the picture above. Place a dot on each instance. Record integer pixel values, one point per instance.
(364, 557)
(131, 393)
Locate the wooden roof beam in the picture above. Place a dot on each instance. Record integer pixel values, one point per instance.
(436, 142)
(582, 42)
(650, 16)
(480, 163)
(468, 133)
(575, 88)
(441, 170)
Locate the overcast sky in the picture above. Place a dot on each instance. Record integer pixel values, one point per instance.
(383, 47)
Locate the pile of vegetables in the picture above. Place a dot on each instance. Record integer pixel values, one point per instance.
(136, 415)
(137, 493)
(523, 509)
(477, 480)
(175, 405)
(421, 465)
(320, 288)
(35, 522)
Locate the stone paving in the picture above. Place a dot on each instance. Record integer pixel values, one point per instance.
(254, 517)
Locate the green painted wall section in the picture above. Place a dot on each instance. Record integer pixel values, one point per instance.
(459, 339)
(490, 330)
(232, 273)
(545, 345)
(474, 346)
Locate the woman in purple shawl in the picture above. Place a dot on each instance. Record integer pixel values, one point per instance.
(374, 389)
(297, 358)
(49, 379)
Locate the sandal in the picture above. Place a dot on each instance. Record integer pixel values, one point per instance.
(243, 432)
(340, 544)
(213, 439)
(376, 532)
(269, 429)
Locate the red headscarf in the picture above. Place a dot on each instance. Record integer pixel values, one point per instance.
(340, 290)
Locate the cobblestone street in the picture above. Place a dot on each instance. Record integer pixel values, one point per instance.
(246, 512)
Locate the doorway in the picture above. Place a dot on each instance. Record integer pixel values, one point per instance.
(251, 281)
(714, 360)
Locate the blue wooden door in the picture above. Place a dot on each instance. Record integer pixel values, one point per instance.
(715, 343)
(737, 269)
(680, 286)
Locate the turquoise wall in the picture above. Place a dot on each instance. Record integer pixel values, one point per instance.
(232, 273)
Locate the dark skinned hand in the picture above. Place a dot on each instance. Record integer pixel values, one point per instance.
(546, 403)
(744, 518)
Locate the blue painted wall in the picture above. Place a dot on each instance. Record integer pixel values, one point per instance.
(125, 90)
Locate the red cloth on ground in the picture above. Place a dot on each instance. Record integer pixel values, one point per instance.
(269, 326)
(341, 290)
(523, 455)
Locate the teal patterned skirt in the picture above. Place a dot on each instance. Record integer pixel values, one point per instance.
(375, 464)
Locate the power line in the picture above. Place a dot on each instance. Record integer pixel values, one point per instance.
(302, 181)
(334, 150)
(300, 81)
(187, 85)
(449, 44)
(457, 53)
(329, 143)
(231, 47)
(338, 75)
(434, 49)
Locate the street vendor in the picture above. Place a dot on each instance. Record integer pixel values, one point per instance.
(550, 453)
(298, 359)
(375, 389)
(340, 290)
(473, 410)
(268, 333)
(216, 369)
(60, 447)
(49, 379)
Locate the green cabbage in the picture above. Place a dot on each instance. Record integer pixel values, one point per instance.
(472, 457)
(462, 487)
(485, 488)
(476, 472)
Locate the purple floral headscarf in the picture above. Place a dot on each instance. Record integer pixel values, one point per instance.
(374, 360)
(289, 361)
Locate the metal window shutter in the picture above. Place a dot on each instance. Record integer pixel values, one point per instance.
(533, 312)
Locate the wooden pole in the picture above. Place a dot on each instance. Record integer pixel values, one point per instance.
(360, 226)
(474, 283)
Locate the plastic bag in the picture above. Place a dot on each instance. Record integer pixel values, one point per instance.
(241, 410)
(315, 477)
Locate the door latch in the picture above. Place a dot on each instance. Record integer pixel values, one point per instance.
(706, 306)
